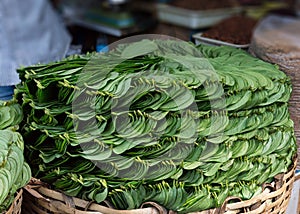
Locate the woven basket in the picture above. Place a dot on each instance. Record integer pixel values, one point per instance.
(15, 207)
(39, 198)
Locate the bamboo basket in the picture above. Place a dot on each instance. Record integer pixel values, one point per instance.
(15, 207)
(39, 198)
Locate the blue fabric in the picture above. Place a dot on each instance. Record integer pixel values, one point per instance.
(6, 92)
(31, 32)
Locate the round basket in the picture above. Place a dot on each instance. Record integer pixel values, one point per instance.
(15, 207)
(39, 198)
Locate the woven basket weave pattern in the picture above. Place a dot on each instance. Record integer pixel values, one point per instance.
(16, 206)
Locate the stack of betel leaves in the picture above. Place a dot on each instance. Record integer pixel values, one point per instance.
(158, 120)
(14, 172)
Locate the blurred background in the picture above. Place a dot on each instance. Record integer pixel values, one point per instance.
(95, 23)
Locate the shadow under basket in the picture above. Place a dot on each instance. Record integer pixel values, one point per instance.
(39, 198)
(15, 207)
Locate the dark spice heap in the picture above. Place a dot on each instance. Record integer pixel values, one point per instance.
(236, 30)
(204, 4)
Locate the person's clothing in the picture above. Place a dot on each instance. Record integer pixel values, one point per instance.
(6, 92)
(30, 33)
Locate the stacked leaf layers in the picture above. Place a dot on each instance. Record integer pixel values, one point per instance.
(14, 171)
(160, 121)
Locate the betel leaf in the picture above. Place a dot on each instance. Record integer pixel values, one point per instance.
(140, 48)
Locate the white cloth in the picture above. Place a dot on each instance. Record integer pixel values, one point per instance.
(30, 32)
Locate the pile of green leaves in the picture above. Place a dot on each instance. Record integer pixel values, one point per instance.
(14, 172)
(160, 121)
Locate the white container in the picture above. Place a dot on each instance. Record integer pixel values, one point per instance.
(199, 39)
(194, 19)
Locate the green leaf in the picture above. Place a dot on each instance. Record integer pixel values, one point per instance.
(140, 48)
